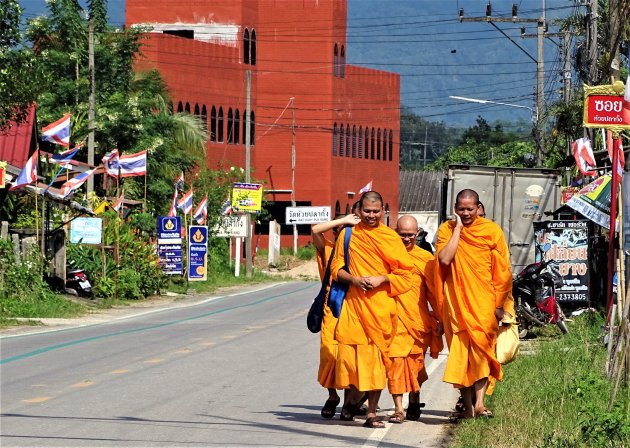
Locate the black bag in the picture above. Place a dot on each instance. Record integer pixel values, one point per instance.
(315, 315)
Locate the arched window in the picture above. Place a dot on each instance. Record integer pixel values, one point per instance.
(360, 142)
(334, 145)
(347, 208)
(335, 60)
(220, 126)
(237, 126)
(252, 128)
(341, 138)
(378, 144)
(342, 62)
(337, 208)
(387, 213)
(348, 141)
(372, 138)
(187, 108)
(213, 124)
(246, 46)
(197, 110)
(180, 107)
(252, 58)
(204, 116)
(230, 126)
(354, 141)
(366, 152)
(384, 144)
(391, 145)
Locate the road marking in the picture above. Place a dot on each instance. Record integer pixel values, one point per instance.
(84, 383)
(153, 361)
(229, 336)
(184, 350)
(119, 371)
(37, 400)
(208, 344)
(378, 434)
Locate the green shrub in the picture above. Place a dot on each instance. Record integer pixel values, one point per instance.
(306, 252)
(128, 285)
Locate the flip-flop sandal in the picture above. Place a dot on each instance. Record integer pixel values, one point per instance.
(457, 417)
(487, 413)
(397, 417)
(346, 414)
(330, 407)
(373, 422)
(460, 406)
(414, 411)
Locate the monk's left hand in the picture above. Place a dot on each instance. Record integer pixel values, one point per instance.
(499, 313)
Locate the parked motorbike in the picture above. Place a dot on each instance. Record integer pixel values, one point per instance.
(78, 284)
(534, 291)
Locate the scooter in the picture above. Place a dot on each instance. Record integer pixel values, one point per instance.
(534, 291)
(78, 284)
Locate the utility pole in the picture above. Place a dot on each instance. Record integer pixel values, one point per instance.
(591, 41)
(566, 70)
(295, 234)
(92, 103)
(248, 238)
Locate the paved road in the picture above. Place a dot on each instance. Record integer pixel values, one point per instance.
(236, 370)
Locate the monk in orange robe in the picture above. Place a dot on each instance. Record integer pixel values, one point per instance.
(473, 281)
(379, 269)
(417, 328)
(328, 345)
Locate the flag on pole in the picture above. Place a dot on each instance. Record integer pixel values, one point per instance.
(110, 163)
(615, 145)
(173, 210)
(119, 202)
(64, 156)
(75, 182)
(368, 187)
(226, 207)
(201, 212)
(58, 132)
(185, 204)
(133, 164)
(179, 182)
(626, 95)
(28, 175)
(583, 153)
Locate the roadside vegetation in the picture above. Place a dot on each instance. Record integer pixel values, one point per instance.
(556, 396)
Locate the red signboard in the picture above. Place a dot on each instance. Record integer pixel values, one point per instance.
(607, 110)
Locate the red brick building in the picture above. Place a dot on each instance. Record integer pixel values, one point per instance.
(345, 119)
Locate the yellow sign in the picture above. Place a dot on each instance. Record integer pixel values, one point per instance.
(247, 197)
(101, 208)
(3, 168)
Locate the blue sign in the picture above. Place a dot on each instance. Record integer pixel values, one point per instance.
(170, 249)
(86, 230)
(169, 227)
(197, 253)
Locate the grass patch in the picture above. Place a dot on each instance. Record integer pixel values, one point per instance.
(45, 304)
(555, 398)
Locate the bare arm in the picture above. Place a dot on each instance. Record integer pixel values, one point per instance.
(318, 230)
(448, 252)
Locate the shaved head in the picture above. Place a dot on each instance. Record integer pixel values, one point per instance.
(407, 222)
(371, 196)
(467, 193)
(407, 229)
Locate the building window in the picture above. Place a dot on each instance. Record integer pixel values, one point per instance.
(334, 145)
(246, 46)
(230, 126)
(391, 145)
(341, 137)
(342, 62)
(196, 110)
(252, 128)
(204, 116)
(180, 107)
(366, 146)
(378, 144)
(337, 208)
(384, 144)
(360, 142)
(252, 47)
(335, 60)
(213, 124)
(220, 126)
(372, 138)
(245, 127)
(187, 108)
(354, 141)
(237, 126)
(348, 141)
(347, 208)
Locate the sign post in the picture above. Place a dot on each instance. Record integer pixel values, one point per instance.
(307, 215)
(170, 244)
(197, 253)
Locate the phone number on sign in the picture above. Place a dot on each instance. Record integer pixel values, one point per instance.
(572, 297)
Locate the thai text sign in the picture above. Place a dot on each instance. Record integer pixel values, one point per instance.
(606, 110)
(247, 197)
(566, 242)
(197, 253)
(233, 226)
(170, 249)
(86, 230)
(307, 215)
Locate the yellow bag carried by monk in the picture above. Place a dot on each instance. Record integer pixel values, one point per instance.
(508, 343)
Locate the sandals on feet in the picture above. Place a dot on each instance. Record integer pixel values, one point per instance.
(346, 414)
(330, 407)
(414, 411)
(460, 406)
(397, 417)
(373, 422)
(486, 413)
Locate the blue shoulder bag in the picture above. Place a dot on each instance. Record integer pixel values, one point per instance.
(338, 290)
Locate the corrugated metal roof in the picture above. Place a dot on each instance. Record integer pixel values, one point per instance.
(420, 190)
(18, 142)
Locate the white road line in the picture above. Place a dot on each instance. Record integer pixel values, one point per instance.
(378, 434)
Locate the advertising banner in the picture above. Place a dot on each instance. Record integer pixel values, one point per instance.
(170, 249)
(593, 201)
(247, 197)
(197, 253)
(567, 243)
(86, 230)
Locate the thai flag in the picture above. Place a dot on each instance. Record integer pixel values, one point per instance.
(133, 164)
(186, 203)
(119, 203)
(201, 212)
(226, 207)
(583, 153)
(626, 94)
(368, 187)
(179, 182)
(28, 175)
(110, 163)
(58, 132)
(173, 210)
(75, 182)
(63, 157)
(612, 146)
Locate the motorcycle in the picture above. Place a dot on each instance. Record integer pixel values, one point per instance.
(534, 291)
(78, 284)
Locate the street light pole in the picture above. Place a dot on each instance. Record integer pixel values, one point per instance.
(534, 112)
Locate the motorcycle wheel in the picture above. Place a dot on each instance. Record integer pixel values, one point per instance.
(562, 325)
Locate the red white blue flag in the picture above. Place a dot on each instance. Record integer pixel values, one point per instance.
(583, 154)
(185, 204)
(58, 132)
(110, 163)
(133, 164)
(179, 182)
(226, 207)
(63, 157)
(201, 212)
(368, 187)
(119, 202)
(173, 210)
(28, 175)
(75, 182)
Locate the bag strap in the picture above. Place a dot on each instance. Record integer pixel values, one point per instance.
(327, 273)
(346, 245)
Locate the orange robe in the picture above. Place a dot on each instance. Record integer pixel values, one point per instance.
(328, 345)
(477, 281)
(368, 320)
(416, 330)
